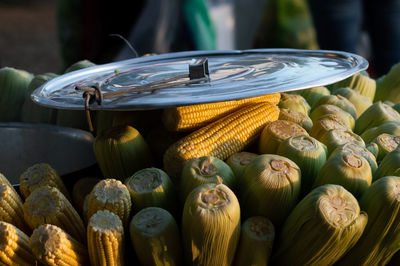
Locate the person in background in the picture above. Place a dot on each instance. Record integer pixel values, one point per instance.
(339, 25)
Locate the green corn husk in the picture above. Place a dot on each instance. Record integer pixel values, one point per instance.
(361, 151)
(121, 151)
(392, 128)
(309, 154)
(81, 189)
(325, 109)
(326, 123)
(377, 114)
(338, 137)
(381, 236)
(386, 143)
(103, 120)
(397, 107)
(347, 169)
(361, 103)
(295, 102)
(312, 95)
(294, 116)
(360, 82)
(321, 229)
(390, 165)
(373, 148)
(32, 112)
(205, 170)
(256, 241)
(155, 237)
(13, 88)
(276, 132)
(210, 225)
(388, 86)
(270, 178)
(391, 104)
(339, 101)
(79, 65)
(238, 162)
(151, 187)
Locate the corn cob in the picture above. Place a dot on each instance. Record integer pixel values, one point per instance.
(295, 102)
(81, 189)
(312, 95)
(338, 137)
(151, 187)
(189, 118)
(359, 82)
(390, 165)
(294, 116)
(347, 169)
(11, 208)
(309, 154)
(386, 143)
(325, 109)
(155, 237)
(361, 103)
(112, 195)
(120, 151)
(387, 86)
(238, 162)
(330, 209)
(4, 180)
(274, 133)
(270, 178)
(47, 205)
(79, 65)
(220, 139)
(38, 175)
(326, 123)
(105, 237)
(373, 148)
(392, 128)
(376, 115)
(210, 225)
(256, 241)
(14, 246)
(380, 239)
(53, 246)
(339, 101)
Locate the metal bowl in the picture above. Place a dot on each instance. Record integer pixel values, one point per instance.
(67, 150)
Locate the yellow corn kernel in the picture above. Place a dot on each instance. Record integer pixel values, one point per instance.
(187, 118)
(11, 208)
(14, 246)
(4, 180)
(105, 235)
(47, 205)
(53, 246)
(220, 139)
(112, 195)
(38, 175)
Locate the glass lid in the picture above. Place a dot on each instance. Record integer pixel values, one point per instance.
(166, 80)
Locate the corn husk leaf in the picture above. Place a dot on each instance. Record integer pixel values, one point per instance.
(376, 115)
(392, 128)
(361, 103)
(388, 86)
(338, 137)
(238, 162)
(312, 95)
(325, 109)
(321, 229)
(295, 102)
(210, 225)
(390, 165)
(360, 82)
(294, 116)
(270, 178)
(386, 143)
(326, 123)
(338, 101)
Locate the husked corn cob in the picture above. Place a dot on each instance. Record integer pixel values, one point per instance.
(47, 205)
(220, 139)
(112, 195)
(81, 189)
(4, 180)
(11, 207)
(14, 246)
(186, 118)
(38, 175)
(53, 246)
(105, 236)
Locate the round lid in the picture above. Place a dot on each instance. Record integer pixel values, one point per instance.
(194, 77)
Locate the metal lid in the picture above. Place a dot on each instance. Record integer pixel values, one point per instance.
(232, 75)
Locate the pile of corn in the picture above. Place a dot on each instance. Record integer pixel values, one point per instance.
(304, 178)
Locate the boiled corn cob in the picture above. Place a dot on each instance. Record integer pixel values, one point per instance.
(53, 246)
(4, 180)
(238, 162)
(294, 116)
(220, 139)
(376, 115)
(112, 195)
(47, 205)
(339, 101)
(338, 137)
(390, 165)
(361, 102)
(14, 246)
(312, 95)
(326, 123)
(325, 109)
(105, 236)
(295, 102)
(192, 117)
(386, 143)
(38, 175)
(11, 207)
